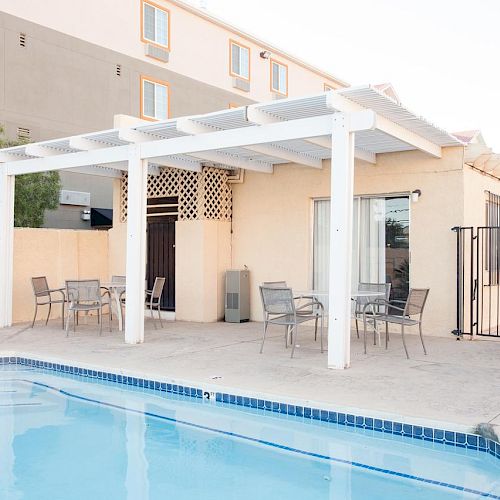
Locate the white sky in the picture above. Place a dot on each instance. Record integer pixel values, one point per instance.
(442, 56)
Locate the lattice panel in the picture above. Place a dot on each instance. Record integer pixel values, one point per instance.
(202, 196)
(216, 195)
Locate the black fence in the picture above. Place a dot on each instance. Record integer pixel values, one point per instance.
(478, 273)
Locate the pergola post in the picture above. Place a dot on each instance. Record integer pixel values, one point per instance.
(341, 207)
(7, 186)
(136, 246)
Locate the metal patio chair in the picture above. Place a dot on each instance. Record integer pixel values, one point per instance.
(360, 303)
(153, 298)
(86, 296)
(411, 314)
(43, 297)
(278, 304)
(313, 307)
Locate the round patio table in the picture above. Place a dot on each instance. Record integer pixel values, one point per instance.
(116, 288)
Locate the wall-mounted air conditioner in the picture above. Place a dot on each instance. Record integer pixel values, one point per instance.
(78, 198)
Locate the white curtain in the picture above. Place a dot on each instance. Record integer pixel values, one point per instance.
(368, 259)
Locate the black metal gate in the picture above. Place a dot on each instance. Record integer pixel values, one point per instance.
(478, 273)
(162, 214)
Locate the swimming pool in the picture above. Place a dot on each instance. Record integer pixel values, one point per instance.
(64, 436)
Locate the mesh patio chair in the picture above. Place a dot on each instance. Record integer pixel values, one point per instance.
(153, 298)
(312, 307)
(84, 295)
(412, 312)
(43, 297)
(360, 303)
(278, 305)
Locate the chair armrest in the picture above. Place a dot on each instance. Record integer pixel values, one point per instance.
(59, 290)
(379, 302)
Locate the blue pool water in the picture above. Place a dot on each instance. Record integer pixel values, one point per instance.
(64, 437)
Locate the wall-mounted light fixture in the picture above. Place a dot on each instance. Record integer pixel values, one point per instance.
(415, 195)
(85, 215)
(265, 54)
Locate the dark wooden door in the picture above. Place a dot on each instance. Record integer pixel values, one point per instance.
(162, 214)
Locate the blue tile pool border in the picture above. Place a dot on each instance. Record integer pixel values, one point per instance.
(435, 435)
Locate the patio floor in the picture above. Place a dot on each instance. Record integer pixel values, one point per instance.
(457, 383)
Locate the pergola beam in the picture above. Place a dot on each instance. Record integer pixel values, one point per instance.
(337, 102)
(256, 115)
(188, 126)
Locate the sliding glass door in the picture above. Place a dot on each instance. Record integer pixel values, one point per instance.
(381, 251)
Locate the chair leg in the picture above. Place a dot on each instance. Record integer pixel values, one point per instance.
(364, 331)
(159, 316)
(264, 337)
(321, 333)
(34, 316)
(62, 314)
(295, 335)
(316, 329)
(110, 319)
(357, 326)
(48, 314)
(404, 341)
(375, 331)
(67, 322)
(386, 334)
(422, 337)
(151, 313)
(75, 314)
(99, 315)
(286, 337)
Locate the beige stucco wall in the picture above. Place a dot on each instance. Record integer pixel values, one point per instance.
(272, 222)
(202, 254)
(58, 254)
(206, 62)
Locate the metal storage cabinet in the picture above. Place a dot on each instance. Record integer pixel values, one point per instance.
(237, 300)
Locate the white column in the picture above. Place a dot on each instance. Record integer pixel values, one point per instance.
(7, 183)
(136, 246)
(341, 206)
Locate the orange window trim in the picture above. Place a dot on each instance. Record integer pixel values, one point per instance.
(234, 42)
(143, 38)
(276, 91)
(159, 82)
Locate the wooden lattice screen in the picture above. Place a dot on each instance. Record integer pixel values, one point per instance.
(204, 195)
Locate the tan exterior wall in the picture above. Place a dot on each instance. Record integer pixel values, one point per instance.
(272, 223)
(115, 25)
(202, 254)
(58, 254)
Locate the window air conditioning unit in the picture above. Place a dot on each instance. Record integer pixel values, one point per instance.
(237, 302)
(240, 84)
(157, 52)
(78, 198)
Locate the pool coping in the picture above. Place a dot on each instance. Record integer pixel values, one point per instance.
(415, 428)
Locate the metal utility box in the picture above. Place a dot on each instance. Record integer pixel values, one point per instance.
(237, 298)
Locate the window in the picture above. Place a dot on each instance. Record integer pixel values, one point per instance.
(380, 243)
(279, 78)
(155, 24)
(239, 60)
(154, 99)
(492, 247)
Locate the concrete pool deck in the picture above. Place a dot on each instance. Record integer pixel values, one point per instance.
(457, 383)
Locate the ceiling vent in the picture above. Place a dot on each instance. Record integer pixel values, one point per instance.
(118, 70)
(22, 39)
(23, 134)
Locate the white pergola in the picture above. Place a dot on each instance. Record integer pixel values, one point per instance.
(356, 122)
